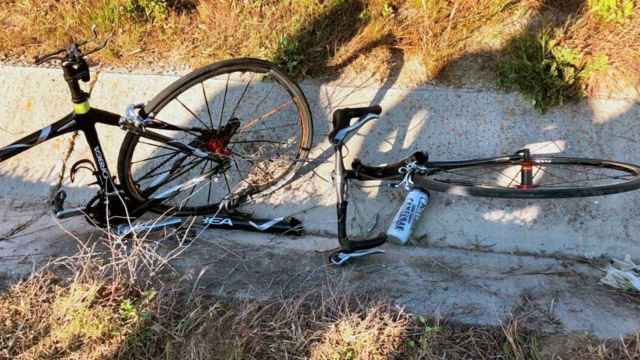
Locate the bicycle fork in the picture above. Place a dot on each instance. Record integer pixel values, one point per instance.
(401, 227)
(348, 248)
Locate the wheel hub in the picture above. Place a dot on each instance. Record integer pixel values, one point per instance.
(217, 140)
(218, 146)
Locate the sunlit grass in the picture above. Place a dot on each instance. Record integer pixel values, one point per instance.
(324, 37)
(612, 10)
(546, 72)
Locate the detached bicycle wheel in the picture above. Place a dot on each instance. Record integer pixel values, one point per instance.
(253, 120)
(532, 176)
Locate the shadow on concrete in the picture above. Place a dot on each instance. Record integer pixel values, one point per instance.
(419, 126)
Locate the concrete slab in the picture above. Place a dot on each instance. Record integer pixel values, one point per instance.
(552, 295)
(449, 123)
(30, 237)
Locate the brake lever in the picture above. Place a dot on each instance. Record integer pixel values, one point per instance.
(74, 48)
(101, 46)
(94, 31)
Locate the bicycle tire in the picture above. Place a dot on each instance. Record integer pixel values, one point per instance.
(302, 126)
(431, 181)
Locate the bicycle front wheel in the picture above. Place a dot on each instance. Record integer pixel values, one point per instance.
(252, 120)
(537, 177)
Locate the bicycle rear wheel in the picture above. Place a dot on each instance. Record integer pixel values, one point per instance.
(532, 177)
(253, 121)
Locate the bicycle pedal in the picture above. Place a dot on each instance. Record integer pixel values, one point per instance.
(57, 207)
(340, 258)
(57, 203)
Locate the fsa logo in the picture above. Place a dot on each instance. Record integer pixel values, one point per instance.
(216, 221)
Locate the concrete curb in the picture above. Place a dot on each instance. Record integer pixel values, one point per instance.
(450, 123)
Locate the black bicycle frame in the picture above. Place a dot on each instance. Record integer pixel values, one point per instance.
(73, 122)
(85, 119)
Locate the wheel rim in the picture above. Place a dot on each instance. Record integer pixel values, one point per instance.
(550, 177)
(254, 156)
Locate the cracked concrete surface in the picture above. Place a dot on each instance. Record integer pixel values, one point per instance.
(473, 260)
(553, 295)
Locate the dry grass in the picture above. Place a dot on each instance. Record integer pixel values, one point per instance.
(612, 47)
(47, 317)
(445, 30)
(307, 326)
(319, 37)
(374, 334)
(306, 36)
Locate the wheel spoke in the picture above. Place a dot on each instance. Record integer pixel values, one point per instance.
(224, 100)
(284, 126)
(175, 176)
(168, 170)
(242, 177)
(476, 177)
(204, 167)
(621, 177)
(148, 174)
(210, 183)
(226, 181)
(171, 127)
(206, 101)
(255, 108)
(264, 172)
(244, 92)
(257, 141)
(251, 122)
(153, 157)
(514, 178)
(191, 112)
(160, 146)
(546, 171)
(586, 171)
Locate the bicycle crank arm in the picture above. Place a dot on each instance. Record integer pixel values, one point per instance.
(281, 225)
(126, 229)
(69, 213)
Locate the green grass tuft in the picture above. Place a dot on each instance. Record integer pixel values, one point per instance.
(545, 72)
(612, 10)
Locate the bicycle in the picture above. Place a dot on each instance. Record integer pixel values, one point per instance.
(202, 146)
(521, 175)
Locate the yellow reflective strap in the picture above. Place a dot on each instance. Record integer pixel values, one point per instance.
(81, 108)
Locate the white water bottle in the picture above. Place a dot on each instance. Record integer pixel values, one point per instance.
(408, 215)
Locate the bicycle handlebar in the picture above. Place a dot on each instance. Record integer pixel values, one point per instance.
(41, 59)
(342, 120)
(72, 51)
(361, 171)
